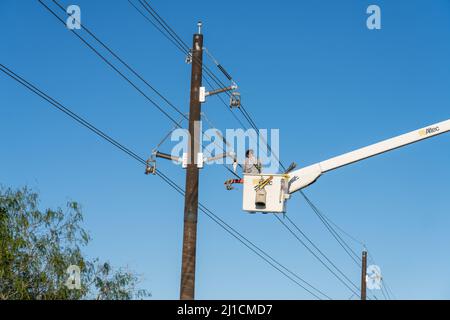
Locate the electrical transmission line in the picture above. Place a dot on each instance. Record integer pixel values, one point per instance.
(128, 80)
(333, 228)
(352, 287)
(182, 46)
(164, 28)
(232, 231)
(351, 253)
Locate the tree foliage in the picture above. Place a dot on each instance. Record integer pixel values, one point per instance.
(37, 247)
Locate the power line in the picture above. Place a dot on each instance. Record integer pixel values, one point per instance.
(361, 243)
(250, 245)
(129, 68)
(225, 104)
(352, 254)
(136, 74)
(172, 36)
(262, 254)
(126, 64)
(388, 289)
(317, 257)
(328, 223)
(156, 26)
(176, 38)
(114, 68)
(140, 160)
(68, 112)
(164, 24)
(182, 46)
(315, 246)
(169, 33)
(180, 43)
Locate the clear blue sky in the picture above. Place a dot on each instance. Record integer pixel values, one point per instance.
(310, 68)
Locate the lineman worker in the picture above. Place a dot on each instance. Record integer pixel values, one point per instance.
(251, 164)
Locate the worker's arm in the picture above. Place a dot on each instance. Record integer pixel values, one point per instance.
(302, 178)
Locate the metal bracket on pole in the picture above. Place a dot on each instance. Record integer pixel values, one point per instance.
(203, 93)
(167, 156)
(231, 155)
(200, 160)
(183, 160)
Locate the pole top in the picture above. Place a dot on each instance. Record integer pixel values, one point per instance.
(199, 25)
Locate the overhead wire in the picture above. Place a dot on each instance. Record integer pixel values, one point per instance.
(333, 228)
(320, 259)
(180, 43)
(132, 71)
(207, 70)
(113, 67)
(250, 245)
(324, 255)
(350, 252)
(122, 74)
(68, 112)
(245, 113)
(156, 26)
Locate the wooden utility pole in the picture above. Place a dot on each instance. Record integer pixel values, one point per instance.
(187, 288)
(363, 276)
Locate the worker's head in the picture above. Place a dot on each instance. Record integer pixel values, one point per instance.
(249, 153)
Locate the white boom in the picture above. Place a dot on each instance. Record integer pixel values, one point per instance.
(304, 177)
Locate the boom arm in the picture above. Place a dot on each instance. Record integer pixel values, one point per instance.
(304, 177)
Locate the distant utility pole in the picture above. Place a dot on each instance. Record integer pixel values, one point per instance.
(187, 288)
(363, 276)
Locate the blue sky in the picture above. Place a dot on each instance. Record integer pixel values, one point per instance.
(310, 68)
